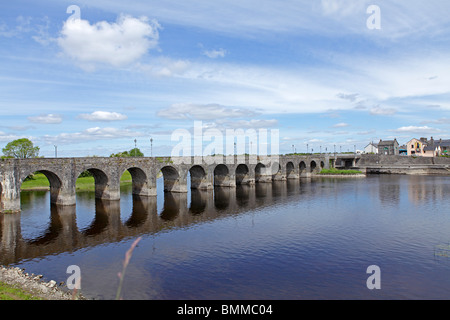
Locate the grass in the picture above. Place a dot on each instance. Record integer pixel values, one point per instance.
(40, 181)
(9, 292)
(336, 171)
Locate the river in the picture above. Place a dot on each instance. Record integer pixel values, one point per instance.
(307, 239)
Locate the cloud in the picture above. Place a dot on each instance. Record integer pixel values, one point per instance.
(91, 134)
(188, 111)
(378, 111)
(120, 43)
(350, 97)
(437, 121)
(416, 129)
(341, 125)
(248, 124)
(164, 67)
(103, 116)
(46, 118)
(213, 54)
(7, 137)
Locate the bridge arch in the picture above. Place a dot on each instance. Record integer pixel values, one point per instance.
(101, 181)
(242, 174)
(302, 168)
(221, 175)
(262, 173)
(171, 178)
(198, 177)
(290, 170)
(54, 181)
(275, 169)
(313, 166)
(139, 181)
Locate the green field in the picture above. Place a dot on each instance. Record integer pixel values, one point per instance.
(39, 181)
(336, 171)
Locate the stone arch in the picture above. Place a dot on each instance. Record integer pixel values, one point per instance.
(313, 166)
(139, 181)
(290, 170)
(171, 178)
(302, 168)
(262, 173)
(54, 181)
(198, 177)
(242, 174)
(276, 172)
(221, 175)
(101, 181)
(322, 165)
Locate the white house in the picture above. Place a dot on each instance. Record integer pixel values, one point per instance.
(371, 148)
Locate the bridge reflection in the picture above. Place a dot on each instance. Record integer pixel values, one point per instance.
(62, 234)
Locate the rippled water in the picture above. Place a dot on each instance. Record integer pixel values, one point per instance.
(308, 239)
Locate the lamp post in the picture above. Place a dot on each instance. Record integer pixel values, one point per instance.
(56, 151)
(151, 147)
(135, 147)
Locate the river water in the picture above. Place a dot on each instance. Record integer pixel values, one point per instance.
(307, 239)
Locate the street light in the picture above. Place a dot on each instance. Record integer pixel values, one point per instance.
(151, 147)
(56, 151)
(135, 147)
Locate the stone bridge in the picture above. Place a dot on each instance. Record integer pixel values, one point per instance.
(204, 173)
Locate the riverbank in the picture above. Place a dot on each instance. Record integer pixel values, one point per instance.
(340, 173)
(16, 284)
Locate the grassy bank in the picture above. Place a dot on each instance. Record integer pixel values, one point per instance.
(9, 292)
(336, 171)
(39, 181)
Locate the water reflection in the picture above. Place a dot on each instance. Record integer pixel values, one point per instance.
(317, 231)
(66, 229)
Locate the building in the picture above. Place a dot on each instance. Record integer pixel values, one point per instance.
(428, 148)
(436, 148)
(371, 148)
(414, 147)
(388, 147)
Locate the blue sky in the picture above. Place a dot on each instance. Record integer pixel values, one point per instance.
(138, 69)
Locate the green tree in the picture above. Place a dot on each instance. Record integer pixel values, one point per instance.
(21, 148)
(135, 152)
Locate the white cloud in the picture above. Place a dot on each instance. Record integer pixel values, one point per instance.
(416, 129)
(248, 124)
(103, 116)
(213, 54)
(341, 125)
(46, 119)
(91, 134)
(164, 67)
(382, 111)
(118, 44)
(190, 111)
